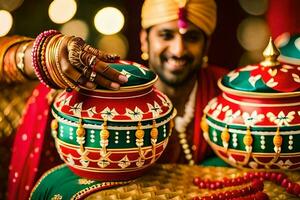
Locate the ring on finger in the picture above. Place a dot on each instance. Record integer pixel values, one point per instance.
(92, 76)
(92, 61)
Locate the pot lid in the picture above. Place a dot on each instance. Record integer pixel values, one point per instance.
(138, 75)
(269, 76)
(289, 46)
(137, 100)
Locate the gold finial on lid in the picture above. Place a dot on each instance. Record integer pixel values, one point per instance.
(271, 54)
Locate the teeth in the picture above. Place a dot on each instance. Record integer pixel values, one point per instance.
(176, 62)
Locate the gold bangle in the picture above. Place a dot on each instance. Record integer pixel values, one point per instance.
(5, 44)
(20, 58)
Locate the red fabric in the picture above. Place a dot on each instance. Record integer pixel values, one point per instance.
(283, 16)
(207, 89)
(28, 145)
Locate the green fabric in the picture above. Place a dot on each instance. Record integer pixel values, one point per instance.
(61, 183)
(214, 161)
(136, 75)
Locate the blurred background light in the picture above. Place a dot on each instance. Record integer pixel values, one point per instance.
(250, 57)
(61, 11)
(253, 34)
(10, 5)
(76, 27)
(6, 22)
(109, 20)
(254, 7)
(116, 44)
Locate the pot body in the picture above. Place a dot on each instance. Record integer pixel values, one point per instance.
(256, 132)
(111, 136)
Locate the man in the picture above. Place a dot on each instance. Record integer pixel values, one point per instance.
(176, 36)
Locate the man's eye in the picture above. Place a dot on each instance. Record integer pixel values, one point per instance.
(166, 36)
(192, 37)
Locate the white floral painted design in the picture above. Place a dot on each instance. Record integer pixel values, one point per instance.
(271, 83)
(124, 162)
(230, 116)
(253, 118)
(70, 160)
(155, 109)
(217, 111)
(108, 113)
(91, 111)
(64, 101)
(285, 68)
(233, 75)
(284, 165)
(281, 118)
(76, 109)
(249, 68)
(253, 79)
(164, 101)
(272, 72)
(103, 162)
(140, 68)
(125, 73)
(136, 114)
(296, 78)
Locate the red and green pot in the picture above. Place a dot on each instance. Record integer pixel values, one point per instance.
(255, 122)
(113, 135)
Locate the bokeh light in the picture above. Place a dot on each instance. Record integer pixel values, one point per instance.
(76, 27)
(254, 7)
(109, 20)
(253, 34)
(115, 44)
(6, 22)
(61, 11)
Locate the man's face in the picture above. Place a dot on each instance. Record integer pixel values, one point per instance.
(174, 56)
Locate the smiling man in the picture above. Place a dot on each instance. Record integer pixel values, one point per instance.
(175, 37)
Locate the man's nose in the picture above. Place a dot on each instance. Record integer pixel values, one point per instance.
(177, 47)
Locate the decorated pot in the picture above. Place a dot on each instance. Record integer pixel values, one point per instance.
(255, 122)
(113, 135)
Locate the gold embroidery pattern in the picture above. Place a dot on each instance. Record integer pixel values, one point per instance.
(57, 197)
(84, 181)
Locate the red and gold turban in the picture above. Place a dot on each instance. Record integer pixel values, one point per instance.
(202, 13)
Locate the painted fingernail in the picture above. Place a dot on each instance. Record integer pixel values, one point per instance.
(123, 78)
(115, 86)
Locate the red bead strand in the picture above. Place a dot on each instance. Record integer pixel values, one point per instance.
(254, 191)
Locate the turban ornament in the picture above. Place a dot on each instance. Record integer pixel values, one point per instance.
(182, 19)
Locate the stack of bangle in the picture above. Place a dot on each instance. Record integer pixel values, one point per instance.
(45, 60)
(10, 60)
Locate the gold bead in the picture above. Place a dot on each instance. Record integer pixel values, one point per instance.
(248, 140)
(139, 133)
(154, 131)
(54, 124)
(104, 134)
(225, 136)
(277, 140)
(80, 131)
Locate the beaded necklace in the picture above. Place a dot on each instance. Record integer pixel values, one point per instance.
(181, 123)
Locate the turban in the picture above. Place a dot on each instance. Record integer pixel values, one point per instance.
(201, 13)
